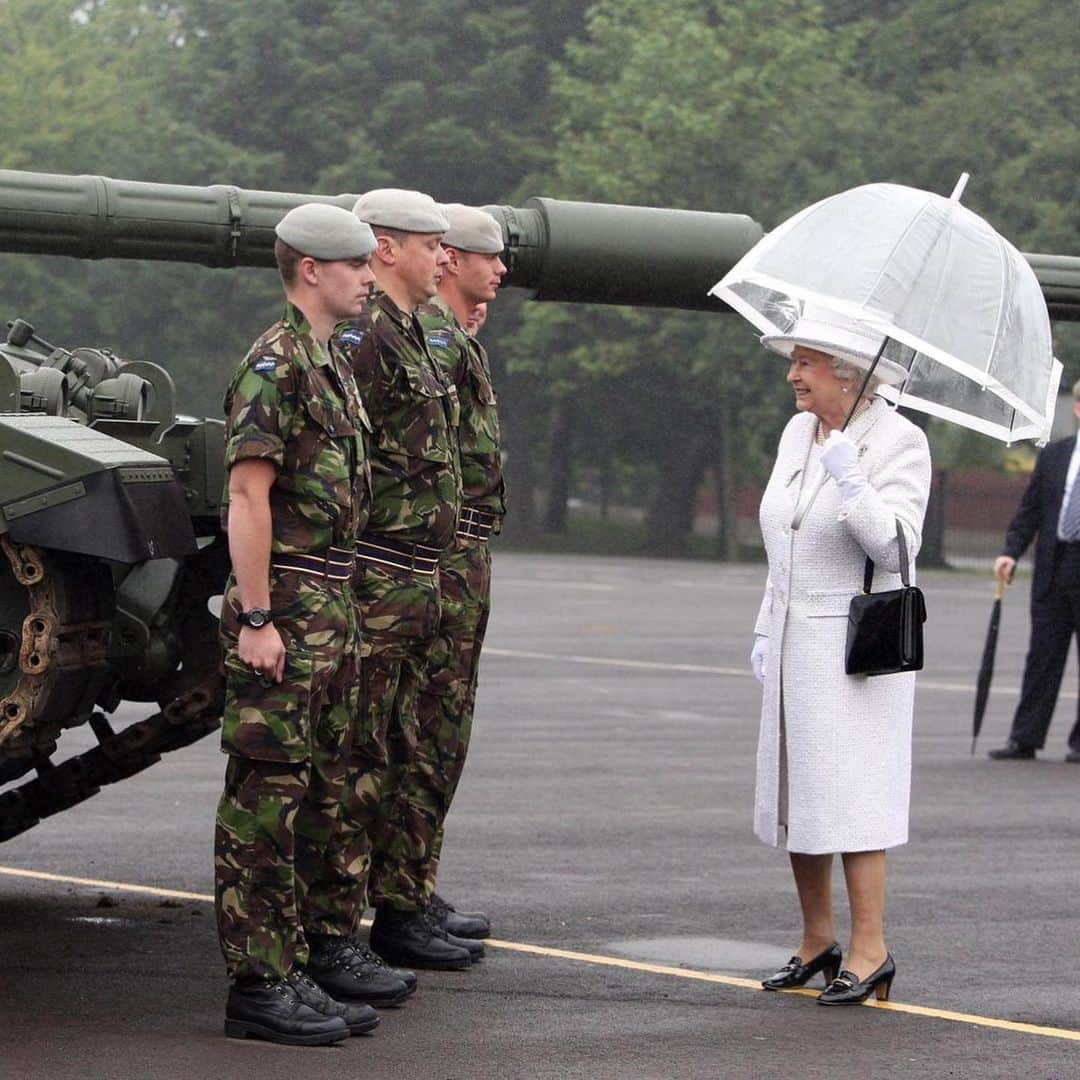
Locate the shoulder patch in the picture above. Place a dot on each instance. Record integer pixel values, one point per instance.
(263, 364)
(440, 339)
(351, 336)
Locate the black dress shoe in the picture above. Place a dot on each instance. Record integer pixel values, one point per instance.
(847, 989)
(275, 1011)
(1073, 757)
(412, 938)
(351, 973)
(359, 1018)
(796, 973)
(1013, 751)
(462, 924)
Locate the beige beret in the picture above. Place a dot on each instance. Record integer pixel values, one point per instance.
(326, 232)
(472, 229)
(396, 208)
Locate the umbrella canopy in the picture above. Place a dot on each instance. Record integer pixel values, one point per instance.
(968, 334)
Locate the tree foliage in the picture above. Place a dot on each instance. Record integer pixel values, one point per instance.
(751, 107)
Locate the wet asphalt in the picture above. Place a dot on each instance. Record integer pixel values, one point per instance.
(605, 810)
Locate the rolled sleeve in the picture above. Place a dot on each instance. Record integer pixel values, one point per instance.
(261, 411)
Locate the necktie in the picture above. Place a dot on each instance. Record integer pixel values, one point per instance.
(1070, 520)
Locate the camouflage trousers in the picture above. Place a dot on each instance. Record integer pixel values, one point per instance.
(399, 613)
(280, 866)
(426, 761)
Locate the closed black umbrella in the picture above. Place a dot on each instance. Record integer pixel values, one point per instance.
(986, 668)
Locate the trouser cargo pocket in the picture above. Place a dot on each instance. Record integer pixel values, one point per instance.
(268, 722)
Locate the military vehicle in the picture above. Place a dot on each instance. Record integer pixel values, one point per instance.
(109, 497)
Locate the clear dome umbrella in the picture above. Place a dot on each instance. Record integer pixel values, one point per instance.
(950, 309)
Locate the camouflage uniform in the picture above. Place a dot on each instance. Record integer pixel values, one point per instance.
(407, 863)
(292, 403)
(414, 510)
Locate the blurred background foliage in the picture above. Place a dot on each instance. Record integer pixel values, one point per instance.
(731, 105)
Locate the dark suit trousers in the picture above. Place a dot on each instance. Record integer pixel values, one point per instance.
(1055, 620)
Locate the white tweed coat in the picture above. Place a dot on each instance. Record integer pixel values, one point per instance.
(834, 753)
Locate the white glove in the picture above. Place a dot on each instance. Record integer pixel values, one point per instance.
(841, 460)
(759, 658)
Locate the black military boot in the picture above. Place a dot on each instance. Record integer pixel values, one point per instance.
(347, 974)
(462, 924)
(410, 937)
(359, 1018)
(368, 956)
(474, 948)
(275, 1011)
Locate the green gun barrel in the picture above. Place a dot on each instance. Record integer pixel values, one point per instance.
(584, 252)
(559, 250)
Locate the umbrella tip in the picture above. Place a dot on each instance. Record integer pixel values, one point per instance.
(958, 191)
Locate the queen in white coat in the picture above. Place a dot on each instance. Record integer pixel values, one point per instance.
(834, 754)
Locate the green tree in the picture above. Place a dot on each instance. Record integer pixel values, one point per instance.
(704, 105)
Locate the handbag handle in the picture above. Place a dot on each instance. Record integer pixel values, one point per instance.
(905, 569)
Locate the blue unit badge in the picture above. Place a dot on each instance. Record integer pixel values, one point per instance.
(264, 363)
(351, 336)
(440, 339)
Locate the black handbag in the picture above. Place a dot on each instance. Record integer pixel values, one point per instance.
(885, 629)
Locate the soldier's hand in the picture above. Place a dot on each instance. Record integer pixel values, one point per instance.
(263, 651)
(1004, 569)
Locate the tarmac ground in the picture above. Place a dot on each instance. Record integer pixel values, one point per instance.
(604, 822)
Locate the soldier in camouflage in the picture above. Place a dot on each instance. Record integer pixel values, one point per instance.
(406, 861)
(296, 497)
(416, 494)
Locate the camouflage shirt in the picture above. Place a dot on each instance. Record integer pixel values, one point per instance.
(294, 403)
(415, 478)
(465, 362)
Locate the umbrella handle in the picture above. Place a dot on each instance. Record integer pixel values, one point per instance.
(999, 591)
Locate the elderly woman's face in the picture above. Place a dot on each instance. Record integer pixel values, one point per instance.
(818, 389)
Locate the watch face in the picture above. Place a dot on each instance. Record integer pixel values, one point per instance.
(256, 617)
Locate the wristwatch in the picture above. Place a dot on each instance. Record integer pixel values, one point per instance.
(255, 618)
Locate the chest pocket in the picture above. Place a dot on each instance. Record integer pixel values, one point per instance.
(330, 417)
(425, 410)
(481, 383)
(335, 450)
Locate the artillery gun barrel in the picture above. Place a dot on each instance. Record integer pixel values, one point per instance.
(559, 250)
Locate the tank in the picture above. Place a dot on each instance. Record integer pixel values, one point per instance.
(109, 496)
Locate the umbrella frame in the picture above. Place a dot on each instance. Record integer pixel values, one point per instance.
(1038, 427)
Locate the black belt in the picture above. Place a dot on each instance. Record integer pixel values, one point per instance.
(418, 558)
(476, 524)
(333, 563)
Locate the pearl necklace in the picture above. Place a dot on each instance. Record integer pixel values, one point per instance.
(819, 431)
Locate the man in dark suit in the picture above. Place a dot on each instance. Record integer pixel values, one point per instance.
(1050, 507)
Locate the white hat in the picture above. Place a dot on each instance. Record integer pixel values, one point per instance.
(396, 208)
(325, 231)
(839, 337)
(472, 229)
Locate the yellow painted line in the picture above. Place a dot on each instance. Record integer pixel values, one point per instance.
(598, 959)
(94, 883)
(736, 672)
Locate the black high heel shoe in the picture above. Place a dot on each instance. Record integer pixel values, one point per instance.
(796, 973)
(846, 989)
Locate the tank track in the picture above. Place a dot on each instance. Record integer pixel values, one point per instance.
(63, 673)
